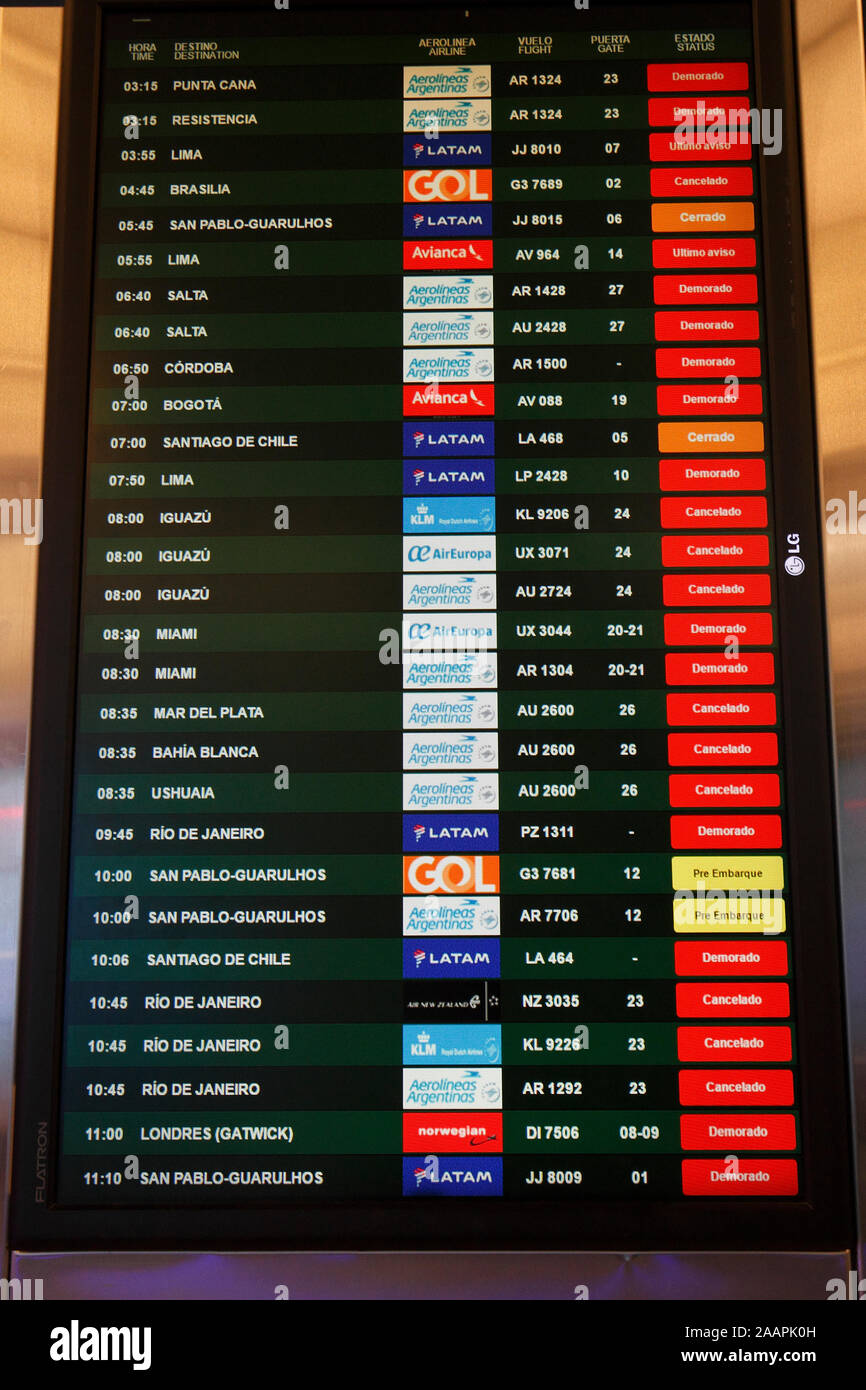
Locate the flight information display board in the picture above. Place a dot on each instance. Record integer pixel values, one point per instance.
(444, 807)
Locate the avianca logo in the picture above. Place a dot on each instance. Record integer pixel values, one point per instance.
(451, 873)
(447, 255)
(447, 185)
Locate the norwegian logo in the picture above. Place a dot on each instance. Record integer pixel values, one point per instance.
(452, 1133)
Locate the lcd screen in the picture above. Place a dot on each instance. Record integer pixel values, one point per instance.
(430, 828)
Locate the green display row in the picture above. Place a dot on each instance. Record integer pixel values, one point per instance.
(356, 1044)
(357, 1132)
(532, 401)
(378, 554)
(376, 958)
(299, 477)
(315, 875)
(308, 632)
(319, 254)
(298, 713)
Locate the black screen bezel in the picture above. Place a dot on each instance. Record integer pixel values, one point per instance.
(821, 1220)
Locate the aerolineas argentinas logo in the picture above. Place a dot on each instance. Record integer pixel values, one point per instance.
(449, 591)
(452, 1088)
(444, 791)
(463, 80)
(446, 916)
(460, 328)
(450, 873)
(450, 670)
(429, 117)
(441, 751)
(450, 711)
(447, 292)
(460, 364)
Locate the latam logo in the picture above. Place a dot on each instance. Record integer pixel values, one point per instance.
(457, 222)
(447, 185)
(443, 959)
(447, 255)
(431, 1176)
(451, 873)
(452, 480)
(446, 150)
(427, 439)
(479, 1133)
(436, 399)
(442, 831)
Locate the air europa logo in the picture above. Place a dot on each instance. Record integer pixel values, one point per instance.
(451, 873)
(447, 185)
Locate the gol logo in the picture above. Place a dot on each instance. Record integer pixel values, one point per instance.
(451, 873)
(447, 185)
